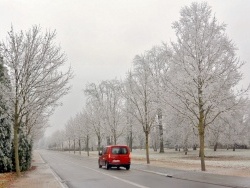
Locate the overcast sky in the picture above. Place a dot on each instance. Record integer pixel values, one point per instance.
(101, 37)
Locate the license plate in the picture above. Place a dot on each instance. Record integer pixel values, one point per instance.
(116, 161)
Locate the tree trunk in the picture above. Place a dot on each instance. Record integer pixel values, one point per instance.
(99, 143)
(16, 146)
(74, 146)
(202, 146)
(16, 141)
(131, 139)
(161, 131)
(69, 145)
(185, 150)
(215, 146)
(155, 146)
(114, 139)
(87, 145)
(108, 140)
(147, 147)
(80, 147)
(127, 140)
(201, 126)
(194, 147)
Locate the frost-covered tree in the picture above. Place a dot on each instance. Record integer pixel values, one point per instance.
(205, 70)
(69, 133)
(87, 129)
(95, 112)
(113, 104)
(158, 64)
(138, 90)
(56, 140)
(215, 132)
(106, 103)
(236, 130)
(154, 137)
(5, 123)
(61, 139)
(179, 130)
(74, 131)
(78, 124)
(33, 61)
(131, 124)
(246, 121)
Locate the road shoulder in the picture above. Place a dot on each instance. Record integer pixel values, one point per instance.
(203, 177)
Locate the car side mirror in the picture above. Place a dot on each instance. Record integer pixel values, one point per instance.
(100, 153)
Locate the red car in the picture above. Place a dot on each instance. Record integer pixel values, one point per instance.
(115, 156)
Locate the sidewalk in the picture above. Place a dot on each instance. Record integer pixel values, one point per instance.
(40, 176)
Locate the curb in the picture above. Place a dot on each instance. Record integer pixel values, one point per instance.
(153, 172)
(56, 176)
(58, 179)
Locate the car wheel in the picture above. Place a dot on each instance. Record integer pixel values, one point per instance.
(107, 165)
(100, 166)
(127, 167)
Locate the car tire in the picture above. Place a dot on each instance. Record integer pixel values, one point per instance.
(127, 167)
(107, 165)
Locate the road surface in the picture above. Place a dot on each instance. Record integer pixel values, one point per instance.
(77, 171)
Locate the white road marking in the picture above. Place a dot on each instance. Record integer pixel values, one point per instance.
(115, 177)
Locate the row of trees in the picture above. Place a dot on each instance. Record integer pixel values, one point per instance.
(186, 93)
(31, 85)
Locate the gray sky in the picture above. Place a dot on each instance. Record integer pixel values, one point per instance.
(101, 37)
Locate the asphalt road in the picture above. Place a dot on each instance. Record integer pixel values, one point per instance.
(82, 172)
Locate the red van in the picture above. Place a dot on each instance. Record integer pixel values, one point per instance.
(115, 156)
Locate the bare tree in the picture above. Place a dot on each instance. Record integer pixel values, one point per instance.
(35, 68)
(138, 90)
(204, 70)
(56, 140)
(69, 132)
(95, 112)
(106, 102)
(113, 103)
(79, 130)
(87, 129)
(158, 62)
(130, 124)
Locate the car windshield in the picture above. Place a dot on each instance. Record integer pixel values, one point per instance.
(119, 150)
